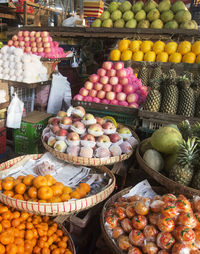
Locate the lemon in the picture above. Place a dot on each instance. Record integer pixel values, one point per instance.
(123, 45)
(162, 57)
(196, 47)
(150, 56)
(146, 46)
(198, 59)
(158, 47)
(115, 55)
(138, 56)
(171, 47)
(184, 47)
(126, 55)
(135, 46)
(175, 57)
(189, 58)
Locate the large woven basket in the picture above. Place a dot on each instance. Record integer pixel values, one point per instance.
(169, 184)
(55, 209)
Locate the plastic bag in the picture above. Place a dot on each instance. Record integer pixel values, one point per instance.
(14, 113)
(70, 22)
(60, 90)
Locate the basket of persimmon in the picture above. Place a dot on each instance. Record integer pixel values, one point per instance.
(22, 232)
(44, 195)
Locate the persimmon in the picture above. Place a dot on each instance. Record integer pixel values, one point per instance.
(6, 224)
(7, 215)
(62, 244)
(21, 226)
(45, 193)
(75, 194)
(39, 181)
(5, 238)
(2, 249)
(24, 215)
(7, 184)
(67, 189)
(18, 196)
(50, 180)
(84, 186)
(82, 192)
(27, 180)
(65, 197)
(28, 234)
(15, 222)
(20, 188)
(11, 248)
(16, 214)
(56, 251)
(8, 193)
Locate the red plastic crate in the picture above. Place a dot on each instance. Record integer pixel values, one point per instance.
(2, 140)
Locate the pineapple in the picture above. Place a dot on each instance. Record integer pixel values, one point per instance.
(196, 180)
(170, 94)
(153, 99)
(144, 75)
(182, 172)
(196, 86)
(185, 129)
(197, 107)
(189, 75)
(186, 105)
(156, 73)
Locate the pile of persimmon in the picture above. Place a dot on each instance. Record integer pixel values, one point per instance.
(24, 233)
(44, 189)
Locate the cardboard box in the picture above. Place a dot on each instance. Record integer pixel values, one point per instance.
(27, 138)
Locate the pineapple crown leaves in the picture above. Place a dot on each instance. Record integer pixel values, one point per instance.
(188, 152)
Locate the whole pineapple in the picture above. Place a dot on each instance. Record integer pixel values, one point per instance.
(186, 105)
(144, 74)
(182, 172)
(157, 72)
(197, 107)
(153, 99)
(196, 86)
(170, 93)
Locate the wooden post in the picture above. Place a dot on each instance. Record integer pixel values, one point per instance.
(25, 13)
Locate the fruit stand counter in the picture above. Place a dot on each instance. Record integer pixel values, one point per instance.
(181, 34)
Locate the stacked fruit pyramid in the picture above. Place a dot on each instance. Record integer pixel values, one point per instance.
(175, 152)
(146, 15)
(172, 94)
(160, 224)
(113, 84)
(158, 51)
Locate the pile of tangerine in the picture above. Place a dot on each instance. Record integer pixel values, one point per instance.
(25, 233)
(41, 189)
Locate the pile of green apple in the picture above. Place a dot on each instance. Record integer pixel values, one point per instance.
(81, 134)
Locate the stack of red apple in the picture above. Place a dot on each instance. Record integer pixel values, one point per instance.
(114, 84)
(39, 43)
(82, 135)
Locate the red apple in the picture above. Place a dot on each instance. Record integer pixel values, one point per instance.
(133, 105)
(105, 101)
(32, 34)
(118, 66)
(45, 34)
(33, 44)
(10, 43)
(110, 96)
(101, 72)
(62, 132)
(117, 88)
(78, 97)
(27, 44)
(123, 103)
(32, 39)
(39, 44)
(45, 39)
(108, 126)
(100, 120)
(40, 50)
(114, 81)
(15, 38)
(94, 78)
(115, 137)
(122, 73)
(98, 86)
(107, 65)
(16, 43)
(93, 93)
(46, 45)
(61, 113)
(96, 100)
(88, 85)
(20, 33)
(26, 33)
(73, 136)
(55, 128)
(28, 49)
(128, 89)
(104, 80)
(79, 125)
(26, 39)
(38, 34)
(103, 139)
(84, 92)
(114, 102)
(34, 50)
(20, 38)
(111, 73)
(66, 120)
(47, 50)
(38, 39)
(88, 98)
(132, 98)
(107, 88)
(88, 137)
(101, 94)
(121, 96)
(124, 81)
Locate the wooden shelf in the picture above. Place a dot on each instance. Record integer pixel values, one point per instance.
(26, 85)
(4, 105)
(115, 33)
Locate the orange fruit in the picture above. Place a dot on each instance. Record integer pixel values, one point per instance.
(20, 188)
(5, 238)
(85, 186)
(39, 181)
(45, 193)
(67, 189)
(75, 194)
(32, 192)
(29, 225)
(82, 192)
(1, 227)
(65, 197)
(28, 246)
(28, 180)
(62, 244)
(16, 214)
(59, 232)
(2, 249)
(65, 238)
(28, 234)
(45, 250)
(21, 226)
(26, 196)
(7, 215)
(57, 190)
(21, 233)
(50, 180)
(184, 47)
(20, 177)
(36, 250)
(196, 47)
(7, 184)
(24, 215)
(20, 249)
(17, 181)
(6, 224)
(123, 45)
(126, 55)
(56, 251)
(3, 209)
(18, 196)
(15, 222)
(19, 241)
(11, 248)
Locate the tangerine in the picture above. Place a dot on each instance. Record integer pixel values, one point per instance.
(18, 196)
(7, 184)
(45, 193)
(8, 193)
(85, 186)
(65, 197)
(27, 180)
(11, 248)
(20, 188)
(45, 250)
(2, 249)
(50, 180)
(67, 189)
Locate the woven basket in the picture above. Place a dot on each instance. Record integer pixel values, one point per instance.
(70, 243)
(169, 184)
(55, 209)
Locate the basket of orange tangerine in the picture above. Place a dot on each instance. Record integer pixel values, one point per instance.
(22, 232)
